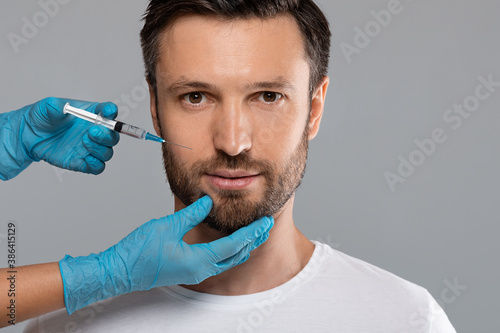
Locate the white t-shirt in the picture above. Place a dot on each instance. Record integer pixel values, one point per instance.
(333, 293)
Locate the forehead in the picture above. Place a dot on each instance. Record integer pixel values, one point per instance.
(209, 48)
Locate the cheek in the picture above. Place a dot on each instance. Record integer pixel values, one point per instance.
(278, 134)
(187, 130)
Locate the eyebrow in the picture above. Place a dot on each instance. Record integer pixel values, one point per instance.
(183, 83)
(279, 83)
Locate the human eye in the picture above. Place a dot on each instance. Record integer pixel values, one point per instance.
(194, 98)
(269, 97)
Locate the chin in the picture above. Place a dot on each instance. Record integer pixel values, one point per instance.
(229, 228)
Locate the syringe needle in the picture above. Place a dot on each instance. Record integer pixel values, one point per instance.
(175, 144)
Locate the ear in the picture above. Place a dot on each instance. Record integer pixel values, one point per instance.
(152, 107)
(317, 106)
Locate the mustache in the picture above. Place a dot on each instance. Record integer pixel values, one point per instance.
(222, 160)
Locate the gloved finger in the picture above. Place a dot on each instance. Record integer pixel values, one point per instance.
(53, 108)
(77, 162)
(230, 245)
(93, 165)
(244, 253)
(194, 214)
(104, 136)
(99, 151)
(108, 110)
(239, 262)
(259, 241)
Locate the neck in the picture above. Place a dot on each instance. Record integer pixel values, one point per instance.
(275, 262)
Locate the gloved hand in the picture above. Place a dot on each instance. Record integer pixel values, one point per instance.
(155, 255)
(42, 132)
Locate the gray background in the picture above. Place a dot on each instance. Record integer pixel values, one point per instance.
(439, 226)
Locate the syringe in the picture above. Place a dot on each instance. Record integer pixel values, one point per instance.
(115, 125)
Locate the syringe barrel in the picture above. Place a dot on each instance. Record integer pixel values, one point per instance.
(133, 131)
(109, 123)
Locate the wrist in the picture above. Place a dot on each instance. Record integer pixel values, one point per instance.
(14, 156)
(27, 133)
(90, 279)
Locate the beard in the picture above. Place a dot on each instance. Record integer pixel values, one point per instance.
(232, 209)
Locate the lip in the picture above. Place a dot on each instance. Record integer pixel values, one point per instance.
(232, 180)
(233, 174)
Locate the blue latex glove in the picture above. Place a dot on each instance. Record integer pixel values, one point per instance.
(155, 255)
(42, 132)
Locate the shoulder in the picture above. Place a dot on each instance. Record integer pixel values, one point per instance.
(344, 268)
(377, 295)
(352, 277)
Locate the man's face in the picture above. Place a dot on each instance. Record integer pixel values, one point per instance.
(236, 92)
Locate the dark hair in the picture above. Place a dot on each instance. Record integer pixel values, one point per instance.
(312, 23)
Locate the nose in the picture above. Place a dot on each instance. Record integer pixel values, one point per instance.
(232, 129)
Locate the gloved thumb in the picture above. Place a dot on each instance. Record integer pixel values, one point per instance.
(194, 214)
(107, 110)
(51, 108)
